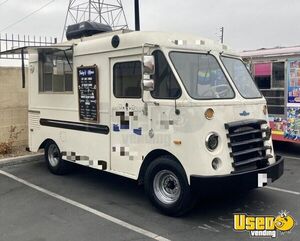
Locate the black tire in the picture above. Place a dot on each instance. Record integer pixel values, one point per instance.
(168, 171)
(59, 166)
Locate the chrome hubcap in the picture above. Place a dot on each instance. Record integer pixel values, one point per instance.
(166, 187)
(53, 155)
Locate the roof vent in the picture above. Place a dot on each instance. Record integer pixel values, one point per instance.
(85, 29)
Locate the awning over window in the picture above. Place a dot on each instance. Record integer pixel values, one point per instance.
(263, 69)
(25, 50)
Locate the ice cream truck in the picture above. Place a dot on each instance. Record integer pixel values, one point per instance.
(276, 72)
(178, 113)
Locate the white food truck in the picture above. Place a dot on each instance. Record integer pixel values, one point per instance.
(179, 113)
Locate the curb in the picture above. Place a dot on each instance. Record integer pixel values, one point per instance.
(20, 159)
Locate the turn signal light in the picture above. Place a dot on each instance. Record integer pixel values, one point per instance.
(177, 142)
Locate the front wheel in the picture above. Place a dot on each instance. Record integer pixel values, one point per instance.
(55, 163)
(167, 187)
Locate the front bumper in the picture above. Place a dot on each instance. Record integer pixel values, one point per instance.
(237, 181)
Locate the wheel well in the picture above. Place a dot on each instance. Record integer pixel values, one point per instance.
(43, 145)
(149, 158)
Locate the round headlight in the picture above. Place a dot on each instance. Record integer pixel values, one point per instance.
(212, 141)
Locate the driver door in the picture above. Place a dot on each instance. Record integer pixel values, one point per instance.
(126, 114)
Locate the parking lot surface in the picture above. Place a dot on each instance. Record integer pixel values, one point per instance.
(37, 205)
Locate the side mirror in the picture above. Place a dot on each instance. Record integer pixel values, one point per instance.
(148, 65)
(148, 70)
(148, 84)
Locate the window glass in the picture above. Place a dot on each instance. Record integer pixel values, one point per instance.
(201, 75)
(166, 85)
(56, 73)
(262, 75)
(273, 93)
(68, 82)
(127, 78)
(47, 82)
(275, 110)
(278, 75)
(58, 83)
(241, 77)
(263, 82)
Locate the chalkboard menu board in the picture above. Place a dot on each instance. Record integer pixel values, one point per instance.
(88, 93)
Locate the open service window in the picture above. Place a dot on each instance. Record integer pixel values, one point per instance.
(55, 70)
(270, 78)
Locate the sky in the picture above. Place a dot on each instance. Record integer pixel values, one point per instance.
(248, 24)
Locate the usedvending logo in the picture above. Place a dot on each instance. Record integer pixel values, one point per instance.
(264, 226)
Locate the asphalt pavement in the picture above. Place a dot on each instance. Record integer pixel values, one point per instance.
(87, 204)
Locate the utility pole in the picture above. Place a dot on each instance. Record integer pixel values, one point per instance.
(137, 15)
(90, 3)
(222, 34)
(108, 12)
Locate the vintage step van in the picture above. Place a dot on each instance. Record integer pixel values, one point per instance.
(179, 113)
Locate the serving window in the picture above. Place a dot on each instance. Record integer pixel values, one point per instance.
(56, 70)
(270, 79)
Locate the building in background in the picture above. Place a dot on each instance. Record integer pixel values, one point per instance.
(13, 90)
(13, 107)
(276, 72)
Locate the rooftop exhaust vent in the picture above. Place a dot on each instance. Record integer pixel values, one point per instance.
(85, 29)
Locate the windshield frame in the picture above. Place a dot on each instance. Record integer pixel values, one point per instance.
(218, 63)
(237, 58)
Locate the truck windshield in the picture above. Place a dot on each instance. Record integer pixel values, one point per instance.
(241, 77)
(201, 75)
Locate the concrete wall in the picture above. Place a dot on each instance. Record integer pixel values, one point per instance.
(13, 104)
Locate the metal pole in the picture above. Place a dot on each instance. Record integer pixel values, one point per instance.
(137, 15)
(23, 68)
(90, 10)
(99, 11)
(222, 34)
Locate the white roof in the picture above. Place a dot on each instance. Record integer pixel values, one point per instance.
(133, 39)
(271, 52)
(129, 39)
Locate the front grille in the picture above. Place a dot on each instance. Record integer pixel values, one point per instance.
(246, 141)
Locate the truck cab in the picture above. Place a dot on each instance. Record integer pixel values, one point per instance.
(177, 112)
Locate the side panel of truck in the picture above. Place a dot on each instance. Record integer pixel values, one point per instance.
(83, 147)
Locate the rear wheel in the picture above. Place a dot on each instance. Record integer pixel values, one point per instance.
(167, 187)
(53, 159)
